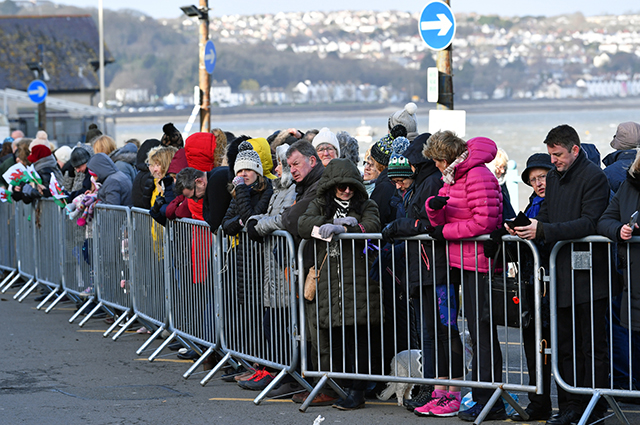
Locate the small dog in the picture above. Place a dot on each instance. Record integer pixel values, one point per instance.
(401, 364)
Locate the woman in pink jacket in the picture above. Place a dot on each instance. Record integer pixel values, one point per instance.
(468, 205)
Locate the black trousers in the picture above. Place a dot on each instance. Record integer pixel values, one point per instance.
(538, 402)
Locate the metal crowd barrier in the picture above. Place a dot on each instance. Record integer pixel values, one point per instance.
(48, 236)
(111, 261)
(582, 376)
(26, 247)
(390, 323)
(150, 300)
(8, 260)
(258, 311)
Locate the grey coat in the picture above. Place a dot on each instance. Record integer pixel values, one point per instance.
(116, 187)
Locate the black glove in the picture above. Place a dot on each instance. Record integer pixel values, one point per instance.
(438, 202)
(160, 201)
(492, 246)
(389, 232)
(436, 233)
(253, 233)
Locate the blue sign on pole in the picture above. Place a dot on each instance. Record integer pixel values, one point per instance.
(209, 56)
(437, 25)
(37, 91)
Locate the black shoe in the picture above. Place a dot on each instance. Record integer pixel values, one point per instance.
(175, 346)
(565, 417)
(497, 412)
(354, 401)
(423, 397)
(534, 415)
(228, 377)
(99, 315)
(189, 355)
(40, 297)
(595, 417)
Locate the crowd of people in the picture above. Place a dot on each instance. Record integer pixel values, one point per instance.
(413, 184)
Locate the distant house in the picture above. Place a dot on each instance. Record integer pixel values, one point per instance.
(66, 46)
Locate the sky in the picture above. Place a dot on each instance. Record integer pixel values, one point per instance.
(171, 8)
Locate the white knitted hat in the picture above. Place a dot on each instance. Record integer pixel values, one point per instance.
(326, 136)
(247, 159)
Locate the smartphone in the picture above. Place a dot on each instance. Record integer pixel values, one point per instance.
(633, 220)
(519, 221)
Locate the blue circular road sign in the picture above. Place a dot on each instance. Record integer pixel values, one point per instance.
(437, 25)
(37, 91)
(209, 56)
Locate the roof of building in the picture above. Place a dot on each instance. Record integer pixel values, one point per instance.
(67, 45)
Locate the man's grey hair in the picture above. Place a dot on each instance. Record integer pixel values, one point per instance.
(186, 179)
(305, 148)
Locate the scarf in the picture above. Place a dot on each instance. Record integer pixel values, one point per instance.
(449, 174)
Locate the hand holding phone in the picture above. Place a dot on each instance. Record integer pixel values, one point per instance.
(520, 221)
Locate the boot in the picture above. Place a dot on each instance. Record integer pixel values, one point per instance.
(354, 401)
(423, 397)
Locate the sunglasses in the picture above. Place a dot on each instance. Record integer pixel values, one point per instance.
(342, 187)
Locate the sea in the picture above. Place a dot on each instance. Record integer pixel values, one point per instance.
(518, 127)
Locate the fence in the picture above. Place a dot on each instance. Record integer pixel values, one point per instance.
(48, 253)
(594, 355)
(8, 261)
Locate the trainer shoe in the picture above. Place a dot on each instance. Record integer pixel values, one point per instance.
(497, 413)
(424, 396)
(258, 381)
(447, 406)
(426, 409)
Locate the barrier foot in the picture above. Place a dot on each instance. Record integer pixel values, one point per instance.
(115, 324)
(155, 335)
(29, 291)
(15, 278)
(126, 326)
(213, 371)
(6, 279)
(91, 313)
(22, 289)
(56, 301)
(515, 405)
(198, 362)
(272, 384)
(313, 393)
(495, 397)
(587, 411)
(82, 308)
(616, 409)
(47, 298)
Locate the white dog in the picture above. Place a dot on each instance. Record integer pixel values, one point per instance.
(401, 364)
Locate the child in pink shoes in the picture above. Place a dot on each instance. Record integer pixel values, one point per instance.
(444, 403)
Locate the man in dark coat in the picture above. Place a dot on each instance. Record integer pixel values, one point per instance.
(577, 194)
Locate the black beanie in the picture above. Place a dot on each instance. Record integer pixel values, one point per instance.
(171, 136)
(79, 156)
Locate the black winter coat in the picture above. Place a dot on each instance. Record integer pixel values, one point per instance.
(386, 197)
(624, 203)
(574, 202)
(216, 198)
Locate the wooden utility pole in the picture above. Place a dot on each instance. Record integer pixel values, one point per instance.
(443, 62)
(204, 78)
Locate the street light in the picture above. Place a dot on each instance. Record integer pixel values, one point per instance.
(202, 13)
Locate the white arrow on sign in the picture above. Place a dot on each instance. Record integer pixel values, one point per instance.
(443, 24)
(39, 91)
(209, 57)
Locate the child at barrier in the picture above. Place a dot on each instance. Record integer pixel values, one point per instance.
(341, 205)
(468, 205)
(81, 208)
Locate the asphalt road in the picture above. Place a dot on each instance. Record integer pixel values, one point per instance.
(54, 372)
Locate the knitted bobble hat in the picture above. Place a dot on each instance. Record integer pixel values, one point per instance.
(399, 165)
(171, 136)
(405, 117)
(326, 136)
(247, 159)
(381, 150)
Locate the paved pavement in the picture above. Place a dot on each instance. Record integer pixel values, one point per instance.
(54, 372)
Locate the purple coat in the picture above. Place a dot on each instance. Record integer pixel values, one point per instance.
(474, 207)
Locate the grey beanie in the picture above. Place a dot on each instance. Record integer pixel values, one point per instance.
(348, 147)
(247, 159)
(407, 118)
(627, 136)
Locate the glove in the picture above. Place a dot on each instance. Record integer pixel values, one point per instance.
(160, 201)
(327, 230)
(492, 246)
(389, 232)
(436, 233)
(253, 233)
(237, 181)
(346, 221)
(438, 202)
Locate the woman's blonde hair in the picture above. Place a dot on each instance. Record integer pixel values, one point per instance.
(634, 170)
(444, 146)
(161, 155)
(104, 144)
(221, 147)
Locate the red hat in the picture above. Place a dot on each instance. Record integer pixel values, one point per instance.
(179, 162)
(38, 152)
(199, 149)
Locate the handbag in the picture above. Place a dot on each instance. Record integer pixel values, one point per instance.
(514, 292)
(311, 281)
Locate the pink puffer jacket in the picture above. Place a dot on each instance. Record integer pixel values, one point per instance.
(474, 207)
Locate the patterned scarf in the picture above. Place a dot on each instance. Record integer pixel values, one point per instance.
(449, 174)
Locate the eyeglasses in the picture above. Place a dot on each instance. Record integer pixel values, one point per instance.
(367, 164)
(326, 149)
(541, 179)
(342, 187)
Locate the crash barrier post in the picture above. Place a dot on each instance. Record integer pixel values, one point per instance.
(147, 249)
(48, 253)
(258, 308)
(385, 328)
(191, 273)
(8, 261)
(26, 247)
(111, 261)
(589, 309)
